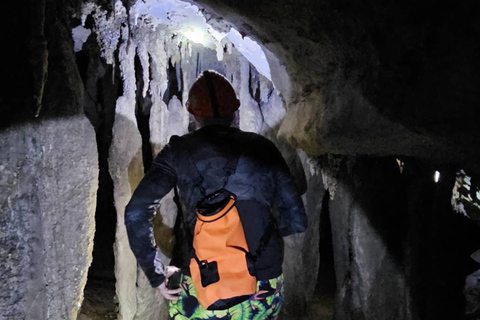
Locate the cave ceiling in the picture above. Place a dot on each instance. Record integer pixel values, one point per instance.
(380, 78)
(415, 64)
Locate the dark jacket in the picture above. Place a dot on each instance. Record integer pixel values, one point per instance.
(261, 180)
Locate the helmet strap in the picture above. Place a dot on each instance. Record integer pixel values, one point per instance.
(211, 91)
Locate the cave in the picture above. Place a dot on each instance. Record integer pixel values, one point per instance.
(374, 106)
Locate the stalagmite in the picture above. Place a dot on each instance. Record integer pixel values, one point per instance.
(126, 169)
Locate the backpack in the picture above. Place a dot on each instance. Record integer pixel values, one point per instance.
(221, 264)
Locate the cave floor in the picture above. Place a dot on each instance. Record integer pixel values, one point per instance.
(321, 308)
(99, 302)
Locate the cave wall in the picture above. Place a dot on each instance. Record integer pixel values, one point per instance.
(367, 213)
(401, 252)
(49, 184)
(49, 167)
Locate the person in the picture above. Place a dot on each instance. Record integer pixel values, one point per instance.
(260, 182)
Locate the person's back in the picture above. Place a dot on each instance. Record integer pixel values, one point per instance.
(261, 180)
(196, 163)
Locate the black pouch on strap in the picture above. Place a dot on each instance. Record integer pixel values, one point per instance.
(213, 202)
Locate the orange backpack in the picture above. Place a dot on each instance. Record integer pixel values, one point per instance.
(221, 264)
(220, 258)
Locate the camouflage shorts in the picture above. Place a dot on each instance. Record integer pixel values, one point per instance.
(265, 304)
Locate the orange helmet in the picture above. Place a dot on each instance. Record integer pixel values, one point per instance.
(212, 96)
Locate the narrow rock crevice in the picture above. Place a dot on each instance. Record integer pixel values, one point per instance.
(175, 85)
(326, 284)
(142, 113)
(101, 90)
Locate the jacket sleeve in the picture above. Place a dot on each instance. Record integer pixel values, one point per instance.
(292, 217)
(158, 181)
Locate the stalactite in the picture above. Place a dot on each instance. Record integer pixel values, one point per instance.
(108, 29)
(158, 85)
(250, 115)
(179, 73)
(142, 53)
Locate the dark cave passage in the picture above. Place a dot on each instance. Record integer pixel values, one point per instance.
(326, 284)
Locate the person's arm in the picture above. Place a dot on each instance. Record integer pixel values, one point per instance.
(292, 217)
(159, 180)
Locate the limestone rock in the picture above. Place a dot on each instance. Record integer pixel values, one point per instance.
(365, 263)
(472, 293)
(48, 194)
